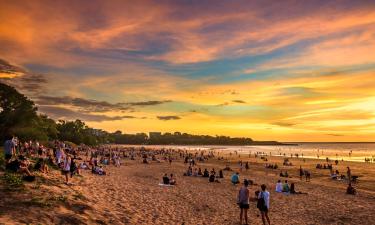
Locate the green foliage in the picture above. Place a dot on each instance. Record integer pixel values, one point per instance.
(18, 116)
(120, 138)
(79, 133)
(60, 198)
(16, 111)
(13, 180)
(178, 139)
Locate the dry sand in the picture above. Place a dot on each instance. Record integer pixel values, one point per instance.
(130, 195)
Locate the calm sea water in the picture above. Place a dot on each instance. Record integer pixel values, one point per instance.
(346, 151)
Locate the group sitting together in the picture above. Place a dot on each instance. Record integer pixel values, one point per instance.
(271, 166)
(169, 180)
(197, 172)
(285, 188)
(324, 166)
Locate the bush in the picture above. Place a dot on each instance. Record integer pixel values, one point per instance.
(13, 180)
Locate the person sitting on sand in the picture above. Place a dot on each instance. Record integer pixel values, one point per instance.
(351, 190)
(213, 171)
(334, 176)
(200, 172)
(41, 165)
(165, 179)
(221, 175)
(172, 181)
(211, 177)
(19, 165)
(243, 201)
(83, 165)
(279, 186)
(99, 170)
(284, 174)
(286, 188)
(227, 168)
(205, 173)
(195, 173)
(293, 190)
(235, 178)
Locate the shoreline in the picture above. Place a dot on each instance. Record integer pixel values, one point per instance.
(253, 149)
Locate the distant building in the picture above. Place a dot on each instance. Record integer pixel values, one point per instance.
(154, 135)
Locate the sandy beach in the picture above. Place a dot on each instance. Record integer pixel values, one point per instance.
(130, 194)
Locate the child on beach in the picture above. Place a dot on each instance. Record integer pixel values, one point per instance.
(172, 181)
(293, 190)
(235, 178)
(351, 190)
(243, 201)
(286, 187)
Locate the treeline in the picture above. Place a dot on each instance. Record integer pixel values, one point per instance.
(178, 139)
(19, 117)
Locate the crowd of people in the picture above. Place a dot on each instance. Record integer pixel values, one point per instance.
(28, 157)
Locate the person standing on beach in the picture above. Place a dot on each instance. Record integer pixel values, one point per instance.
(264, 204)
(9, 148)
(66, 168)
(349, 173)
(301, 173)
(243, 201)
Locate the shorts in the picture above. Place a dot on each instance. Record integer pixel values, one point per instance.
(243, 206)
(8, 156)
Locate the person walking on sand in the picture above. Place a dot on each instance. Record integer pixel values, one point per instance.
(264, 204)
(66, 168)
(243, 201)
(349, 173)
(301, 172)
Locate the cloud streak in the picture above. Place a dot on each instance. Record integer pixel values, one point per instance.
(166, 118)
(295, 67)
(67, 114)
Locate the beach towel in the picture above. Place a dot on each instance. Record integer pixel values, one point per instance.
(166, 185)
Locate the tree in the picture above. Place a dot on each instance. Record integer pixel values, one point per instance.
(17, 113)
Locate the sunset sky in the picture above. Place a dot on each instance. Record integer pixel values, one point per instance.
(269, 70)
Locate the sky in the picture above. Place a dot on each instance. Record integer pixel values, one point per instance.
(268, 70)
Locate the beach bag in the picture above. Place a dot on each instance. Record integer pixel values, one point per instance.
(261, 204)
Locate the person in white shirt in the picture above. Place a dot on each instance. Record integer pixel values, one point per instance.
(264, 204)
(279, 186)
(66, 168)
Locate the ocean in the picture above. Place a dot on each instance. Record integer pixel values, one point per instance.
(340, 151)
